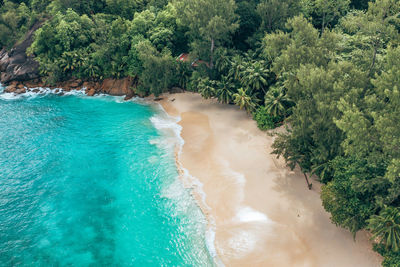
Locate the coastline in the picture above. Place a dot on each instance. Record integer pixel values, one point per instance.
(262, 213)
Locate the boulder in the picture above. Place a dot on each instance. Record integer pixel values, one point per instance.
(10, 89)
(33, 83)
(87, 84)
(118, 87)
(128, 97)
(74, 83)
(16, 65)
(20, 91)
(90, 92)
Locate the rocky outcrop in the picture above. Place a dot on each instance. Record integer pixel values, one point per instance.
(120, 87)
(16, 65)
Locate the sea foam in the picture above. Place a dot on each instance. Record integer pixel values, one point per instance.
(170, 127)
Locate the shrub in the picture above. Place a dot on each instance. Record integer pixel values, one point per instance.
(265, 121)
(390, 258)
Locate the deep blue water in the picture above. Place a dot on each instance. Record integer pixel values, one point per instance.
(92, 182)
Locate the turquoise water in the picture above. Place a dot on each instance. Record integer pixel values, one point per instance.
(93, 182)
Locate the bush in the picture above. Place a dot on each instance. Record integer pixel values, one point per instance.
(390, 258)
(265, 121)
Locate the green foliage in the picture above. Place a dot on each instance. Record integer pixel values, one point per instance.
(80, 7)
(15, 20)
(62, 45)
(244, 100)
(386, 227)
(349, 208)
(159, 69)
(325, 13)
(225, 90)
(210, 22)
(264, 119)
(274, 13)
(391, 259)
(277, 103)
(329, 73)
(248, 24)
(255, 76)
(206, 87)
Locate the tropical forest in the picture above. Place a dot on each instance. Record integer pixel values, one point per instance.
(321, 76)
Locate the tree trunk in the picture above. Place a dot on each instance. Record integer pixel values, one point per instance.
(373, 59)
(308, 183)
(212, 53)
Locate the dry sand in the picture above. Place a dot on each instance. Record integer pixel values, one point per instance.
(264, 213)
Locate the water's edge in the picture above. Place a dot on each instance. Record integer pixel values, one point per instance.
(169, 123)
(193, 184)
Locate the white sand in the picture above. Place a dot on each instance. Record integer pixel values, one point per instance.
(264, 214)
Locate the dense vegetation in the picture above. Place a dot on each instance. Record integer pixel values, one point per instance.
(327, 69)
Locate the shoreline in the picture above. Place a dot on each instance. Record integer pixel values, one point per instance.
(256, 222)
(191, 183)
(262, 213)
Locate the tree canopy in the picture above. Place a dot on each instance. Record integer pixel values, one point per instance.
(327, 70)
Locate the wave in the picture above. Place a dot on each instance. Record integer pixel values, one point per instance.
(40, 92)
(171, 130)
(35, 92)
(171, 140)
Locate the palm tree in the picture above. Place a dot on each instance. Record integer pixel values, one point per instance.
(386, 227)
(206, 88)
(225, 90)
(184, 73)
(244, 100)
(255, 76)
(223, 62)
(277, 102)
(237, 68)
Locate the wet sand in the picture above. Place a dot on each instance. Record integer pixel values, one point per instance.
(264, 214)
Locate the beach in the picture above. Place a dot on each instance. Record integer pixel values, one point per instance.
(262, 212)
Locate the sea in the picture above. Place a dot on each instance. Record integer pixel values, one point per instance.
(93, 181)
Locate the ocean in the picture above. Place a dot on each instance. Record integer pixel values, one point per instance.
(92, 181)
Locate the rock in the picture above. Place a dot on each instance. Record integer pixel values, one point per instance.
(87, 84)
(74, 83)
(20, 91)
(4, 60)
(128, 97)
(33, 83)
(90, 92)
(158, 99)
(20, 86)
(118, 87)
(10, 89)
(16, 65)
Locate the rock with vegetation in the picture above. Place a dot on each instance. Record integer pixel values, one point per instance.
(326, 69)
(16, 65)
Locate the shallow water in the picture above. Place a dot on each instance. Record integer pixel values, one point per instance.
(93, 181)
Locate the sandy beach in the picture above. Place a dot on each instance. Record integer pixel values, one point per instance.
(264, 214)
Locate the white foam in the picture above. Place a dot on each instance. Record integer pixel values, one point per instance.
(247, 214)
(39, 92)
(169, 125)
